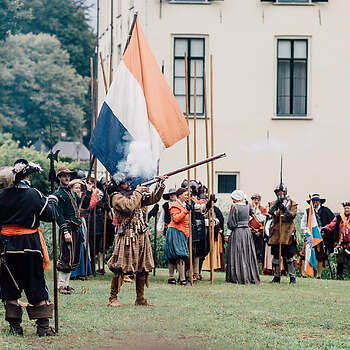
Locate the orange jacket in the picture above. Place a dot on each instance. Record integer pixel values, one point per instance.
(179, 218)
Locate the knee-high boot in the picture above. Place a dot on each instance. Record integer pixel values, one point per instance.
(276, 272)
(115, 287)
(41, 313)
(13, 315)
(140, 290)
(291, 270)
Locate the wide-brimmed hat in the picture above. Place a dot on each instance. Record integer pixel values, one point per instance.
(76, 181)
(65, 170)
(166, 196)
(346, 204)
(316, 197)
(22, 168)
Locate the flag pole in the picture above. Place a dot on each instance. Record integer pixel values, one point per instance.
(208, 171)
(195, 118)
(212, 153)
(188, 176)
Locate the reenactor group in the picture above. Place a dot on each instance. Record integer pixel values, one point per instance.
(91, 218)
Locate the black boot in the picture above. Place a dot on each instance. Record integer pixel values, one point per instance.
(292, 280)
(43, 328)
(41, 313)
(276, 279)
(291, 271)
(276, 271)
(13, 315)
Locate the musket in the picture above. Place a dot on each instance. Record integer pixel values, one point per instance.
(52, 178)
(185, 168)
(4, 263)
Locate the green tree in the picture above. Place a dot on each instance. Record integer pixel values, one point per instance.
(38, 84)
(12, 16)
(68, 22)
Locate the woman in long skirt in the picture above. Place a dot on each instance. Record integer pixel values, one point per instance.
(176, 248)
(242, 267)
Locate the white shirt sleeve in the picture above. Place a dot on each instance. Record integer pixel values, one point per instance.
(160, 224)
(303, 223)
(260, 217)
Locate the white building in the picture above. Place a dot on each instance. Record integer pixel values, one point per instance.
(281, 85)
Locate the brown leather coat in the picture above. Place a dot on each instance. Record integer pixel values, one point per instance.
(288, 228)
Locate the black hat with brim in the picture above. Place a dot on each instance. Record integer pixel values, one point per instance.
(316, 197)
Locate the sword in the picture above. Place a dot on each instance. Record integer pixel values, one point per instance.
(4, 263)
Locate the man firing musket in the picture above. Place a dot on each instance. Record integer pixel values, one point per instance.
(282, 237)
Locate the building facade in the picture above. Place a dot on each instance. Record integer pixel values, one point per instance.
(280, 86)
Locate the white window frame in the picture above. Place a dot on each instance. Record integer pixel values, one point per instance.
(206, 61)
(308, 115)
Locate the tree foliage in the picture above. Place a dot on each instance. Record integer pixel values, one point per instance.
(12, 16)
(37, 83)
(67, 21)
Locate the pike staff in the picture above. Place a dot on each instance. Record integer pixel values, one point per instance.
(195, 118)
(208, 178)
(212, 153)
(52, 178)
(188, 176)
(280, 226)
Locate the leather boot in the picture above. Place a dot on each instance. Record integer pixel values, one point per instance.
(140, 289)
(41, 313)
(13, 315)
(291, 270)
(276, 272)
(113, 297)
(340, 271)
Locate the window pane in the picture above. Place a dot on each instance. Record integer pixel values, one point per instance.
(227, 183)
(180, 47)
(299, 81)
(179, 68)
(284, 49)
(283, 88)
(199, 86)
(199, 105)
(197, 47)
(182, 103)
(299, 49)
(199, 68)
(180, 86)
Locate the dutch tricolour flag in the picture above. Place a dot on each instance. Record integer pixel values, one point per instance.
(140, 115)
(313, 238)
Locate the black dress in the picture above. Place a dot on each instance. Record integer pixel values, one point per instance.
(242, 267)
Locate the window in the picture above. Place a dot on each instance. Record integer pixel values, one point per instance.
(194, 48)
(227, 183)
(292, 77)
(294, 1)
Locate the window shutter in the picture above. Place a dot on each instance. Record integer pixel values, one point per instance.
(319, 0)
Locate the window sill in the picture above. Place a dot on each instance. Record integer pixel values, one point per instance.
(189, 2)
(292, 117)
(293, 4)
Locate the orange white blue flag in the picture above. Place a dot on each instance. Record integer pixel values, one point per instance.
(140, 116)
(312, 238)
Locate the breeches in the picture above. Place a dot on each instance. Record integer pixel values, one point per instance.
(28, 272)
(69, 252)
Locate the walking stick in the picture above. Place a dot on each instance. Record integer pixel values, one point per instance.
(280, 246)
(212, 153)
(52, 178)
(211, 253)
(87, 246)
(189, 177)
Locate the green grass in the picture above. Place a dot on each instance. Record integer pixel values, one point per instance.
(313, 314)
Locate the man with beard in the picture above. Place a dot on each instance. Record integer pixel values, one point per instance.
(132, 252)
(283, 231)
(69, 222)
(24, 255)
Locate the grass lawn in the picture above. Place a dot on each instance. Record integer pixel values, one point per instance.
(313, 314)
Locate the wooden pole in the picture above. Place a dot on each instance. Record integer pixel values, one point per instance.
(155, 245)
(195, 118)
(208, 178)
(188, 176)
(110, 70)
(280, 245)
(212, 152)
(103, 73)
(104, 232)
